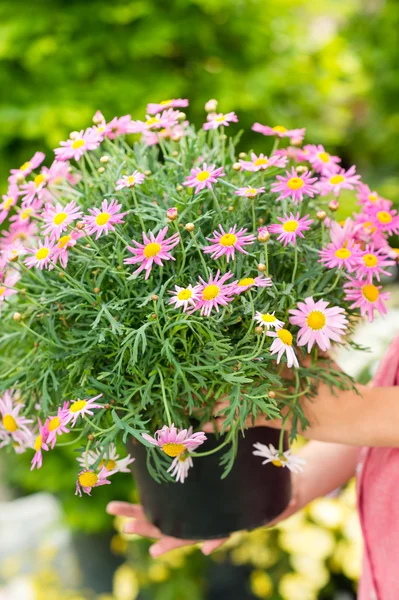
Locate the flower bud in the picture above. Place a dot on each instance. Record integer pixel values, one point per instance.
(181, 116)
(80, 225)
(105, 159)
(96, 290)
(179, 188)
(242, 155)
(236, 166)
(258, 330)
(147, 173)
(176, 138)
(189, 227)
(271, 394)
(261, 267)
(261, 220)
(321, 215)
(61, 274)
(20, 178)
(301, 169)
(263, 234)
(172, 213)
(211, 105)
(154, 297)
(98, 118)
(101, 170)
(230, 208)
(74, 134)
(17, 316)
(90, 437)
(334, 205)
(175, 153)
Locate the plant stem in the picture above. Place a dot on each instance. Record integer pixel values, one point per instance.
(222, 445)
(199, 252)
(164, 397)
(266, 258)
(136, 205)
(253, 215)
(217, 205)
(295, 264)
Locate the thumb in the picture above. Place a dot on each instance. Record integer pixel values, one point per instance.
(211, 545)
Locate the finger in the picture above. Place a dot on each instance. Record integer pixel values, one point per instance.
(166, 544)
(211, 545)
(213, 426)
(125, 509)
(142, 527)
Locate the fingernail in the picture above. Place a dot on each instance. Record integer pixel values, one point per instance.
(109, 508)
(154, 551)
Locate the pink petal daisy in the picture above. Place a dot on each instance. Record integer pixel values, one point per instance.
(56, 219)
(103, 220)
(371, 263)
(79, 408)
(262, 162)
(59, 171)
(341, 234)
(246, 283)
(27, 167)
(117, 127)
(174, 442)
(216, 120)
(25, 213)
(110, 460)
(7, 283)
(12, 252)
(214, 293)
(279, 131)
(38, 445)
(184, 297)
(8, 201)
(57, 425)
(11, 422)
(295, 186)
(268, 320)
(318, 324)
(63, 244)
(321, 161)
(386, 220)
(336, 256)
(341, 180)
(154, 250)
(155, 108)
(249, 192)
(366, 197)
(42, 255)
(226, 243)
(167, 119)
(282, 344)
(19, 232)
(367, 297)
(88, 479)
(291, 226)
(129, 181)
(205, 177)
(76, 147)
(34, 189)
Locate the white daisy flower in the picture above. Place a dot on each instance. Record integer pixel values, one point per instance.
(273, 456)
(283, 344)
(268, 320)
(110, 460)
(180, 467)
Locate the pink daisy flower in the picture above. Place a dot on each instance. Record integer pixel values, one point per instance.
(7, 283)
(367, 297)
(371, 263)
(184, 297)
(262, 162)
(246, 283)
(8, 201)
(88, 479)
(12, 252)
(341, 180)
(27, 167)
(155, 249)
(155, 108)
(129, 181)
(19, 232)
(268, 320)
(318, 324)
(57, 425)
(366, 197)
(290, 227)
(174, 442)
(205, 177)
(76, 147)
(280, 131)
(249, 192)
(226, 243)
(12, 423)
(216, 120)
(117, 127)
(282, 344)
(180, 467)
(341, 234)
(79, 408)
(337, 256)
(295, 186)
(56, 219)
(386, 221)
(58, 172)
(63, 244)
(166, 120)
(42, 255)
(34, 189)
(321, 161)
(103, 220)
(110, 460)
(25, 213)
(38, 445)
(214, 293)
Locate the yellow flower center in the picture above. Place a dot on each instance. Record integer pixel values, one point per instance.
(131, 179)
(396, 250)
(63, 241)
(203, 175)
(9, 423)
(370, 260)
(246, 281)
(210, 292)
(25, 166)
(370, 292)
(384, 217)
(39, 179)
(373, 197)
(228, 239)
(182, 457)
(324, 157)
(368, 227)
(88, 479)
(42, 253)
(152, 249)
(285, 336)
(316, 320)
(110, 465)
(165, 102)
(295, 183)
(267, 318)
(38, 443)
(2, 290)
(220, 119)
(290, 226)
(343, 253)
(280, 129)
(336, 179)
(102, 218)
(25, 214)
(260, 161)
(184, 294)
(278, 462)
(251, 192)
(173, 449)
(77, 406)
(78, 144)
(60, 218)
(55, 422)
(8, 203)
(152, 121)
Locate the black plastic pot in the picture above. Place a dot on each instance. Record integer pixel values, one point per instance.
(206, 506)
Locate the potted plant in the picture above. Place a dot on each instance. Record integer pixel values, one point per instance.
(148, 273)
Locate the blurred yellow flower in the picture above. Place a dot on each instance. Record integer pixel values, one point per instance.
(328, 512)
(261, 584)
(126, 586)
(309, 539)
(347, 559)
(294, 586)
(313, 568)
(158, 572)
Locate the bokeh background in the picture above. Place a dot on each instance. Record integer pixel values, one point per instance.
(329, 65)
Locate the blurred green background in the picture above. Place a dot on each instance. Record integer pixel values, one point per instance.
(329, 65)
